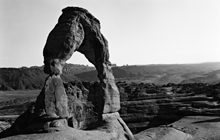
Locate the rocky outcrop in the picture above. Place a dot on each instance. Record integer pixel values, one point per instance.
(78, 30)
(147, 105)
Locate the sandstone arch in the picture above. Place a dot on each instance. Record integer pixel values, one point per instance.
(78, 30)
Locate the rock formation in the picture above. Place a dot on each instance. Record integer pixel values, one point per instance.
(52, 100)
(76, 30)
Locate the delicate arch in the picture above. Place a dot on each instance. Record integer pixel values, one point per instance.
(78, 30)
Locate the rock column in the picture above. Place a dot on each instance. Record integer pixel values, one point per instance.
(55, 98)
(109, 101)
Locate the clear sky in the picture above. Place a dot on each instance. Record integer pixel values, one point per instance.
(138, 31)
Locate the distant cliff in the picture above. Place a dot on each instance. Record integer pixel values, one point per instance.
(163, 74)
(33, 77)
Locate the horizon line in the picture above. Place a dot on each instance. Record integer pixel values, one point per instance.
(115, 65)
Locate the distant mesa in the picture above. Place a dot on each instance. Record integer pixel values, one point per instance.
(157, 74)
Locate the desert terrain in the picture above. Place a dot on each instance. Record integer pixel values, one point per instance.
(187, 108)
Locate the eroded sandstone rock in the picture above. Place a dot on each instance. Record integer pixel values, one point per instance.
(81, 110)
(78, 30)
(52, 101)
(56, 102)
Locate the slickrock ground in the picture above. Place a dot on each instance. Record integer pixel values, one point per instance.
(68, 134)
(200, 127)
(187, 128)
